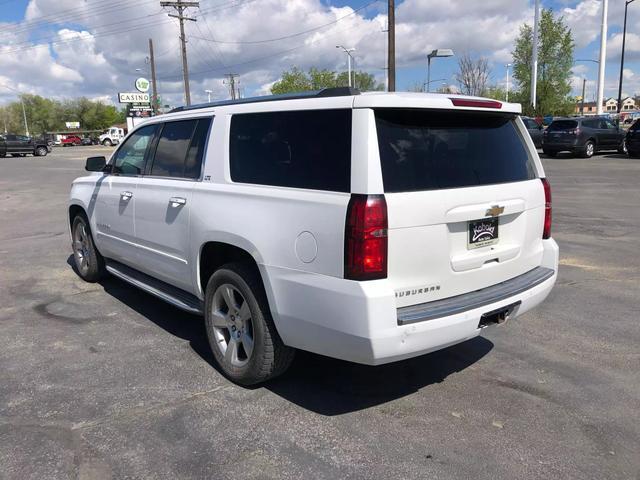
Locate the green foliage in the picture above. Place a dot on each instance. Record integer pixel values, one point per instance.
(296, 80)
(46, 115)
(555, 59)
(498, 93)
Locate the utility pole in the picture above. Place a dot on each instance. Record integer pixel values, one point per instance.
(584, 85)
(391, 44)
(180, 6)
(154, 87)
(534, 55)
(603, 55)
(624, 38)
(232, 83)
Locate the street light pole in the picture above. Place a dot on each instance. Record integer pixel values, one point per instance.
(624, 38)
(438, 52)
(208, 92)
(603, 55)
(507, 95)
(534, 55)
(24, 114)
(348, 52)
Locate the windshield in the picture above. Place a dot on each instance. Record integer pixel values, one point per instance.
(428, 150)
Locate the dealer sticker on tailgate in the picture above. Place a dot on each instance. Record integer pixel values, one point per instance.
(483, 232)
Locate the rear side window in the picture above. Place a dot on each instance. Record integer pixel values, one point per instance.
(430, 150)
(563, 125)
(181, 148)
(301, 149)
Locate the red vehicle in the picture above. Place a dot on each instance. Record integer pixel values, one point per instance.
(71, 140)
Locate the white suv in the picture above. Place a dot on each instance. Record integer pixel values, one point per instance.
(368, 227)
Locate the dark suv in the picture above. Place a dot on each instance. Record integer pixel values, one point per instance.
(633, 140)
(21, 145)
(583, 136)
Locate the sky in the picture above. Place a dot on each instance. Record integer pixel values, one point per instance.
(97, 48)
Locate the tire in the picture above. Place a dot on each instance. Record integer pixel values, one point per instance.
(588, 150)
(2, 155)
(550, 153)
(622, 149)
(107, 143)
(41, 152)
(88, 261)
(242, 336)
(15, 155)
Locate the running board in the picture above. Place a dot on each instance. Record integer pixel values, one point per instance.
(170, 294)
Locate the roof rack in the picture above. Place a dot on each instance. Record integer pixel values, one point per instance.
(325, 92)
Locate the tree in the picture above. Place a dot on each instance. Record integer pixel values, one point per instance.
(555, 59)
(296, 80)
(46, 115)
(472, 75)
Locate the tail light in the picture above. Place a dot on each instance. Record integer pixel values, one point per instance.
(546, 232)
(365, 244)
(575, 131)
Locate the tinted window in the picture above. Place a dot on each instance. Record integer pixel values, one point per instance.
(563, 125)
(11, 137)
(303, 149)
(169, 159)
(591, 123)
(193, 162)
(427, 150)
(129, 159)
(635, 126)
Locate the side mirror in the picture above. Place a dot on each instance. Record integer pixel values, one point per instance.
(95, 164)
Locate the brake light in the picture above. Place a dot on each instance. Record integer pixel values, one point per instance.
(470, 102)
(546, 232)
(365, 244)
(575, 131)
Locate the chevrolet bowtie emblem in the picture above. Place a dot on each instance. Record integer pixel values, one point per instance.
(494, 211)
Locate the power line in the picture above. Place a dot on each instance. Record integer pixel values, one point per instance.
(72, 15)
(51, 42)
(293, 35)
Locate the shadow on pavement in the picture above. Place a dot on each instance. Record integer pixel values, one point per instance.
(321, 384)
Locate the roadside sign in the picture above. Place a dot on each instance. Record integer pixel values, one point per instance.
(142, 85)
(133, 97)
(72, 124)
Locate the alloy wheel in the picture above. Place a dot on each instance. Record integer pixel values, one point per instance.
(232, 325)
(81, 247)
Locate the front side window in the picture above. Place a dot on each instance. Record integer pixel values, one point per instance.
(129, 159)
(308, 149)
(430, 150)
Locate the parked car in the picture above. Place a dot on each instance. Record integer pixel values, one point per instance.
(367, 227)
(71, 140)
(90, 141)
(21, 145)
(633, 140)
(583, 136)
(534, 129)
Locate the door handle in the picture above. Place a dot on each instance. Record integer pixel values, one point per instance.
(126, 195)
(177, 201)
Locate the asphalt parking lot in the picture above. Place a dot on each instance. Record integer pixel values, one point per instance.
(103, 381)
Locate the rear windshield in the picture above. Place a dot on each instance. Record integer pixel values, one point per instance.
(563, 125)
(430, 150)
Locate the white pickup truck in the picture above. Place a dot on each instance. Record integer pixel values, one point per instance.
(368, 227)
